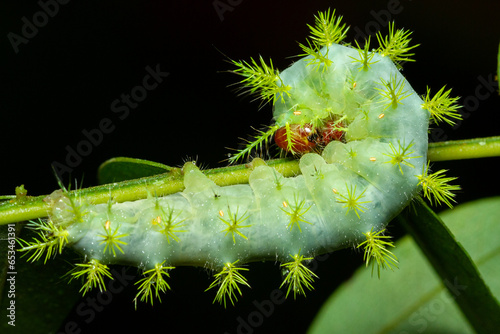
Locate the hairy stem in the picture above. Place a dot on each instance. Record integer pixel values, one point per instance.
(464, 149)
(12, 211)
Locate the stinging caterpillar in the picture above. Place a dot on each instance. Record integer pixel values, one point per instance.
(360, 132)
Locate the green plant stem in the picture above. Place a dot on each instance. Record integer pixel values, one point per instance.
(17, 210)
(455, 267)
(464, 149)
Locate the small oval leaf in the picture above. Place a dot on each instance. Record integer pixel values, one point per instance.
(122, 169)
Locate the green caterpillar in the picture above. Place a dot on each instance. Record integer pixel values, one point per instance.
(348, 190)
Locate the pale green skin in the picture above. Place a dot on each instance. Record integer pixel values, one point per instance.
(204, 242)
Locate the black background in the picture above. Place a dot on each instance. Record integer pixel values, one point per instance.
(65, 78)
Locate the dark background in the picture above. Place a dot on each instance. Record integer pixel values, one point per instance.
(65, 78)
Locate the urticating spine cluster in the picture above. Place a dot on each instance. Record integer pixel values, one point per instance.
(361, 134)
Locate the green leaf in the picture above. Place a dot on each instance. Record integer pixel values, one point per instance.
(415, 299)
(42, 298)
(453, 263)
(122, 169)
